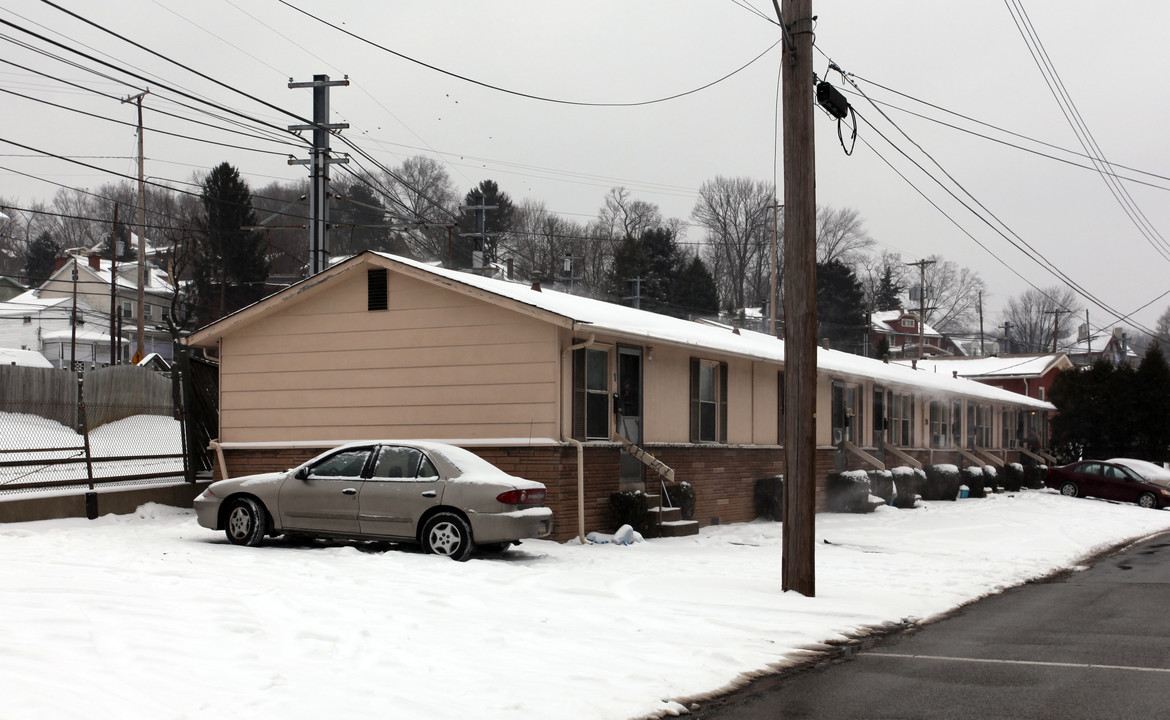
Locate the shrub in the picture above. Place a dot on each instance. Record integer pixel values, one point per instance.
(1034, 476)
(769, 498)
(973, 478)
(682, 496)
(629, 508)
(908, 484)
(882, 484)
(991, 475)
(848, 491)
(942, 483)
(1013, 477)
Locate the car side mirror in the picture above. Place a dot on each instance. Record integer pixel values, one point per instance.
(302, 474)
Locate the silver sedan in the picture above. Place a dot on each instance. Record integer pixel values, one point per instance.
(445, 498)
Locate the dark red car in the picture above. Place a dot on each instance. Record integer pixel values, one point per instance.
(1107, 481)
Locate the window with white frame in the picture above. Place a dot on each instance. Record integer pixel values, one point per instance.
(940, 424)
(1011, 429)
(708, 401)
(590, 394)
(147, 311)
(127, 308)
(846, 412)
(978, 425)
(901, 423)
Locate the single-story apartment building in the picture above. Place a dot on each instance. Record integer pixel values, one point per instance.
(585, 396)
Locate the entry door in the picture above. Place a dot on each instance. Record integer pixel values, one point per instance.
(628, 406)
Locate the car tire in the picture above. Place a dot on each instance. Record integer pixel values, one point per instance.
(1147, 500)
(1069, 489)
(246, 522)
(447, 533)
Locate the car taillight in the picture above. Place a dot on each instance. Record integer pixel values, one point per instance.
(521, 497)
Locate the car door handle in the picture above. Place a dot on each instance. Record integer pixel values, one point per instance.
(349, 491)
(429, 493)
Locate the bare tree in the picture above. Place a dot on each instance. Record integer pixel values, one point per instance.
(952, 295)
(737, 215)
(1162, 330)
(623, 216)
(541, 241)
(874, 270)
(1032, 318)
(420, 192)
(841, 236)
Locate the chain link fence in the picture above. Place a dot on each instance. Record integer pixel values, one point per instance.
(67, 431)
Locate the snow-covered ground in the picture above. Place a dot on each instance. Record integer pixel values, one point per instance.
(151, 616)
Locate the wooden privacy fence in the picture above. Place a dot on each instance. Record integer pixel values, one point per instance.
(115, 425)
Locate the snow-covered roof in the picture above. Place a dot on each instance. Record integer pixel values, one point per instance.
(27, 303)
(587, 315)
(86, 335)
(882, 320)
(1003, 366)
(26, 358)
(157, 283)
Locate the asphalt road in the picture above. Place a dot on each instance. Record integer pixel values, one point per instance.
(1092, 644)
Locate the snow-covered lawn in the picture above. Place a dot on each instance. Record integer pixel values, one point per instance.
(151, 616)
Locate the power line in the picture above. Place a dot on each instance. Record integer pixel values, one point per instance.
(517, 93)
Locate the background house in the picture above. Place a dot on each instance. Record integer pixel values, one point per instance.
(44, 325)
(900, 330)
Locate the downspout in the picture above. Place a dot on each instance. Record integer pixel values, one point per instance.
(580, 447)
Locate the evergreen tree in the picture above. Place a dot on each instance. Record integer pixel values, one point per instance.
(41, 260)
(840, 307)
(498, 222)
(695, 292)
(889, 291)
(653, 259)
(358, 219)
(227, 253)
(1153, 417)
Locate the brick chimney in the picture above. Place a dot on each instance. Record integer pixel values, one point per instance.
(95, 262)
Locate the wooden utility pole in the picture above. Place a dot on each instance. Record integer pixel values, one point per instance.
(773, 299)
(921, 265)
(1055, 324)
(800, 299)
(981, 351)
(141, 338)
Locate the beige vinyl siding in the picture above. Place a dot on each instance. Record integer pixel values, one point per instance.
(436, 364)
(765, 395)
(666, 396)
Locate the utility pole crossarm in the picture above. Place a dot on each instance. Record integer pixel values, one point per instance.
(319, 162)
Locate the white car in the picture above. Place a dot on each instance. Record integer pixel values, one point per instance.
(1152, 472)
(445, 498)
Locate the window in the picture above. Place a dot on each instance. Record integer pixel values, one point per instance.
(378, 297)
(956, 423)
(978, 425)
(940, 424)
(127, 309)
(880, 421)
(1011, 429)
(1040, 393)
(901, 424)
(346, 464)
(846, 412)
(28, 319)
(147, 311)
(908, 322)
(590, 394)
(708, 401)
(402, 462)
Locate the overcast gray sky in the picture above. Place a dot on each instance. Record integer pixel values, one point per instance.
(966, 58)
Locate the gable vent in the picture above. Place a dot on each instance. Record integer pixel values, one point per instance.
(376, 292)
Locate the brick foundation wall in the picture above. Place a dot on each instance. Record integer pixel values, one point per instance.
(723, 477)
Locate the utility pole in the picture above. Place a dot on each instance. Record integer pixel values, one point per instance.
(773, 298)
(800, 298)
(115, 355)
(981, 351)
(480, 256)
(1088, 339)
(1055, 324)
(141, 337)
(637, 296)
(319, 162)
(921, 265)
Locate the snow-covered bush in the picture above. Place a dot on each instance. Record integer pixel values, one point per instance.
(1013, 477)
(973, 478)
(848, 491)
(881, 483)
(942, 482)
(908, 484)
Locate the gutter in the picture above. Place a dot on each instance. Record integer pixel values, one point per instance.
(580, 447)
